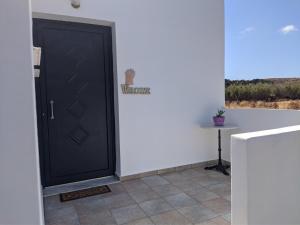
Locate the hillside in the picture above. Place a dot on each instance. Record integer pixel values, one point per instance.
(268, 92)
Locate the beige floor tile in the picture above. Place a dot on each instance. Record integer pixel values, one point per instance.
(187, 184)
(194, 189)
(205, 195)
(218, 205)
(90, 206)
(216, 221)
(170, 218)
(141, 196)
(174, 177)
(191, 173)
(166, 190)
(154, 207)
(207, 181)
(145, 221)
(128, 214)
(157, 197)
(153, 181)
(119, 200)
(197, 213)
(62, 216)
(222, 189)
(227, 217)
(117, 188)
(181, 200)
(227, 197)
(53, 202)
(135, 185)
(100, 218)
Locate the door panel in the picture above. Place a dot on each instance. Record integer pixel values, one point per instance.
(77, 79)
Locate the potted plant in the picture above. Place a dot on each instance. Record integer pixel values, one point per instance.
(219, 118)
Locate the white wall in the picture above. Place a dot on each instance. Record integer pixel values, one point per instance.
(265, 177)
(20, 191)
(177, 49)
(250, 120)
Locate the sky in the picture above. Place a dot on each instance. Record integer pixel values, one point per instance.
(262, 39)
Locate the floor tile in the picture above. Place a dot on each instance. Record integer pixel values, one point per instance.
(193, 189)
(191, 173)
(207, 181)
(135, 185)
(180, 200)
(215, 221)
(170, 218)
(174, 177)
(205, 195)
(90, 206)
(141, 196)
(227, 217)
(187, 184)
(128, 214)
(117, 188)
(145, 221)
(99, 218)
(153, 181)
(62, 216)
(220, 176)
(227, 197)
(222, 189)
(119, 200)
(53, 202)
(197, 213)
(197, 194)
(218, 205)
(166, 190)
(87, 206)
(154, 207)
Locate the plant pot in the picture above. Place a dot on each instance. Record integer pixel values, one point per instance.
(219, 120)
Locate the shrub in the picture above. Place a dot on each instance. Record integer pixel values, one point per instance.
(293, 105)
(261, 104)
(261, 91)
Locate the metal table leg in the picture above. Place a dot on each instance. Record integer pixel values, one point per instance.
(219, 167)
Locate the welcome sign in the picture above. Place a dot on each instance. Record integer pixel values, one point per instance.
(128, 89)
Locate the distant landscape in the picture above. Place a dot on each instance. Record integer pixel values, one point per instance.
(273, 93)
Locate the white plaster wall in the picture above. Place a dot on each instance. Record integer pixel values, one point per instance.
(177, 49)
(20, 190)
(265, 177)
(250, 120)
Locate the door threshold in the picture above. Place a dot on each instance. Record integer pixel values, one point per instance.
(63, 188)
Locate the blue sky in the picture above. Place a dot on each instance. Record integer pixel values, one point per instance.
(262, 38)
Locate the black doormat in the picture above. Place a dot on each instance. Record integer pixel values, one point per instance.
(64, 197)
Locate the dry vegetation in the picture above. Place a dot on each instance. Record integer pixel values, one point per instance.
(283, 104)
(268, 93)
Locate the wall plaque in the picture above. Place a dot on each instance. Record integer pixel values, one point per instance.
(129, 81)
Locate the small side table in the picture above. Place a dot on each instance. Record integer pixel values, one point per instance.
(219, 167)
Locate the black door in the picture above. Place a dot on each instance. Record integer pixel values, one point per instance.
(74, 101)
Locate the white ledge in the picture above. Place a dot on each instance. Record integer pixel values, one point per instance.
(246, 136)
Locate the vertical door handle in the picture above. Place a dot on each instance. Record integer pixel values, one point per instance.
(52, 109)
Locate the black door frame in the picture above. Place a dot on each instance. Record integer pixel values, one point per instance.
(42, 106)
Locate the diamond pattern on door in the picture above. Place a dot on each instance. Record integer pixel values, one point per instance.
(76, 109)
(79, 135)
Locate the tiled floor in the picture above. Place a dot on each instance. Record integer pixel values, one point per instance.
(193, 196)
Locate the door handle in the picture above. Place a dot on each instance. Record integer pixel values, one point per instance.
(52, 109)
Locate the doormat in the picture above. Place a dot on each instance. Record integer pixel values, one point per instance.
(69, 196)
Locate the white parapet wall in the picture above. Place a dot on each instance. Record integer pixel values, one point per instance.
(265, 177)
(249, 120)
